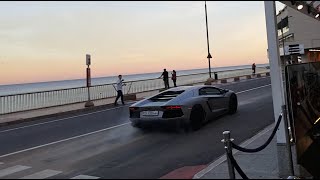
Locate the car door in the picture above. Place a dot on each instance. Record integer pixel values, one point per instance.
(215, 99)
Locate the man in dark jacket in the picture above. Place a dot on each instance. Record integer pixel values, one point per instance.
(254, 68)
(165, 76)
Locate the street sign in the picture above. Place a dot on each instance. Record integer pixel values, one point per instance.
(294, 49)
(88, 59)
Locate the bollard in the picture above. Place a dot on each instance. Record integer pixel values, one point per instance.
(227, 145)
(215, 75)
(224, 81)
(131, 97)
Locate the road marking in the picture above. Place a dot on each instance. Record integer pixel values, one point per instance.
(85, 177)
(13, 169)
(253, 89)
(23, 127)
(64, 140)
(223, 158)
(42, 174)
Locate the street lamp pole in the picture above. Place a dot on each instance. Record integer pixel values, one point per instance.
(284, 53)
(209, 55)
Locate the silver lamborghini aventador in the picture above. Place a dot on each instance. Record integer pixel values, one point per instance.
(185, 106)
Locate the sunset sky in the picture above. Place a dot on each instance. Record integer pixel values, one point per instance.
(47, 41)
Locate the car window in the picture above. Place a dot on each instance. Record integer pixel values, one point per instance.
(209, 91)
(166, 96)
(186, 95)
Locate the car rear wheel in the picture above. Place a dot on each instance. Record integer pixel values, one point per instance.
(197, 117)
(233, 104)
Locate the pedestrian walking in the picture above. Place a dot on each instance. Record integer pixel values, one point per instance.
(165, 76)
(119, 90)
(174, 78)
(254, 68)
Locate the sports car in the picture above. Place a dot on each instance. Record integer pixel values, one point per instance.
(185, 106)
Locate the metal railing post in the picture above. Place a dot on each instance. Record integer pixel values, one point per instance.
(228, 147)
(288, 144)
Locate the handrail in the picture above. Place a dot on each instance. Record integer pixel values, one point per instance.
(12, 103)
(35, 92)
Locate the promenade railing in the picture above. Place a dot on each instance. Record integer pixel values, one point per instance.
(44, 99)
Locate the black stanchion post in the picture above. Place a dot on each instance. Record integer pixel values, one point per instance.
(288, 144)
(228, 147)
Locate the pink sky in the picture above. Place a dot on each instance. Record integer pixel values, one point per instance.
(46, 41)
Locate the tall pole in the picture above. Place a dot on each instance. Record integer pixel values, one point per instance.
(89, 103)
(277, 86)
(209, 55)
(284, 53)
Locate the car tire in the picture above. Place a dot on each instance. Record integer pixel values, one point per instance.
(197, 117)
(233, 104)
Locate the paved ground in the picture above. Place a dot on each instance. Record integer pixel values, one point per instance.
(260, 165)
(103, 144)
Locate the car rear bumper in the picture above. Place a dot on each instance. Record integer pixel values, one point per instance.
(157, 120)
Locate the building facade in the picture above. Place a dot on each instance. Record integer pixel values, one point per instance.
(297, 28)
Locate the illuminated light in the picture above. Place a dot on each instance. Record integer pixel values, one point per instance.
(317, 16)
(172, 107)
(313, 50)
(133, 108)
(300, 7)
(317, 120)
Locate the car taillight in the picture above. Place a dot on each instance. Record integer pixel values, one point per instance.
(172, 112)
(171, 107)
(134, 113)
(133, 108)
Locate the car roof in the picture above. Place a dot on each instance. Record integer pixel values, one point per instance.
(184, 88)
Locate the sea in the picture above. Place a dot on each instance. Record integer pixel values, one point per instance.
(64, 84)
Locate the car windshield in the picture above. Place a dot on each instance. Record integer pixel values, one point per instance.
(166, 96)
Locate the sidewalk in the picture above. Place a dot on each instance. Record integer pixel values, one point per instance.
(260, 165)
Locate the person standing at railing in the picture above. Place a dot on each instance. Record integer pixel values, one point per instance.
(254, 68)
(165, 76)
(174, 78)
(119, 90)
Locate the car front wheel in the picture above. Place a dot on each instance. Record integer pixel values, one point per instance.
(197, 117)
(233, 104)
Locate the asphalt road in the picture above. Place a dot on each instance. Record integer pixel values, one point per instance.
(103, 144)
